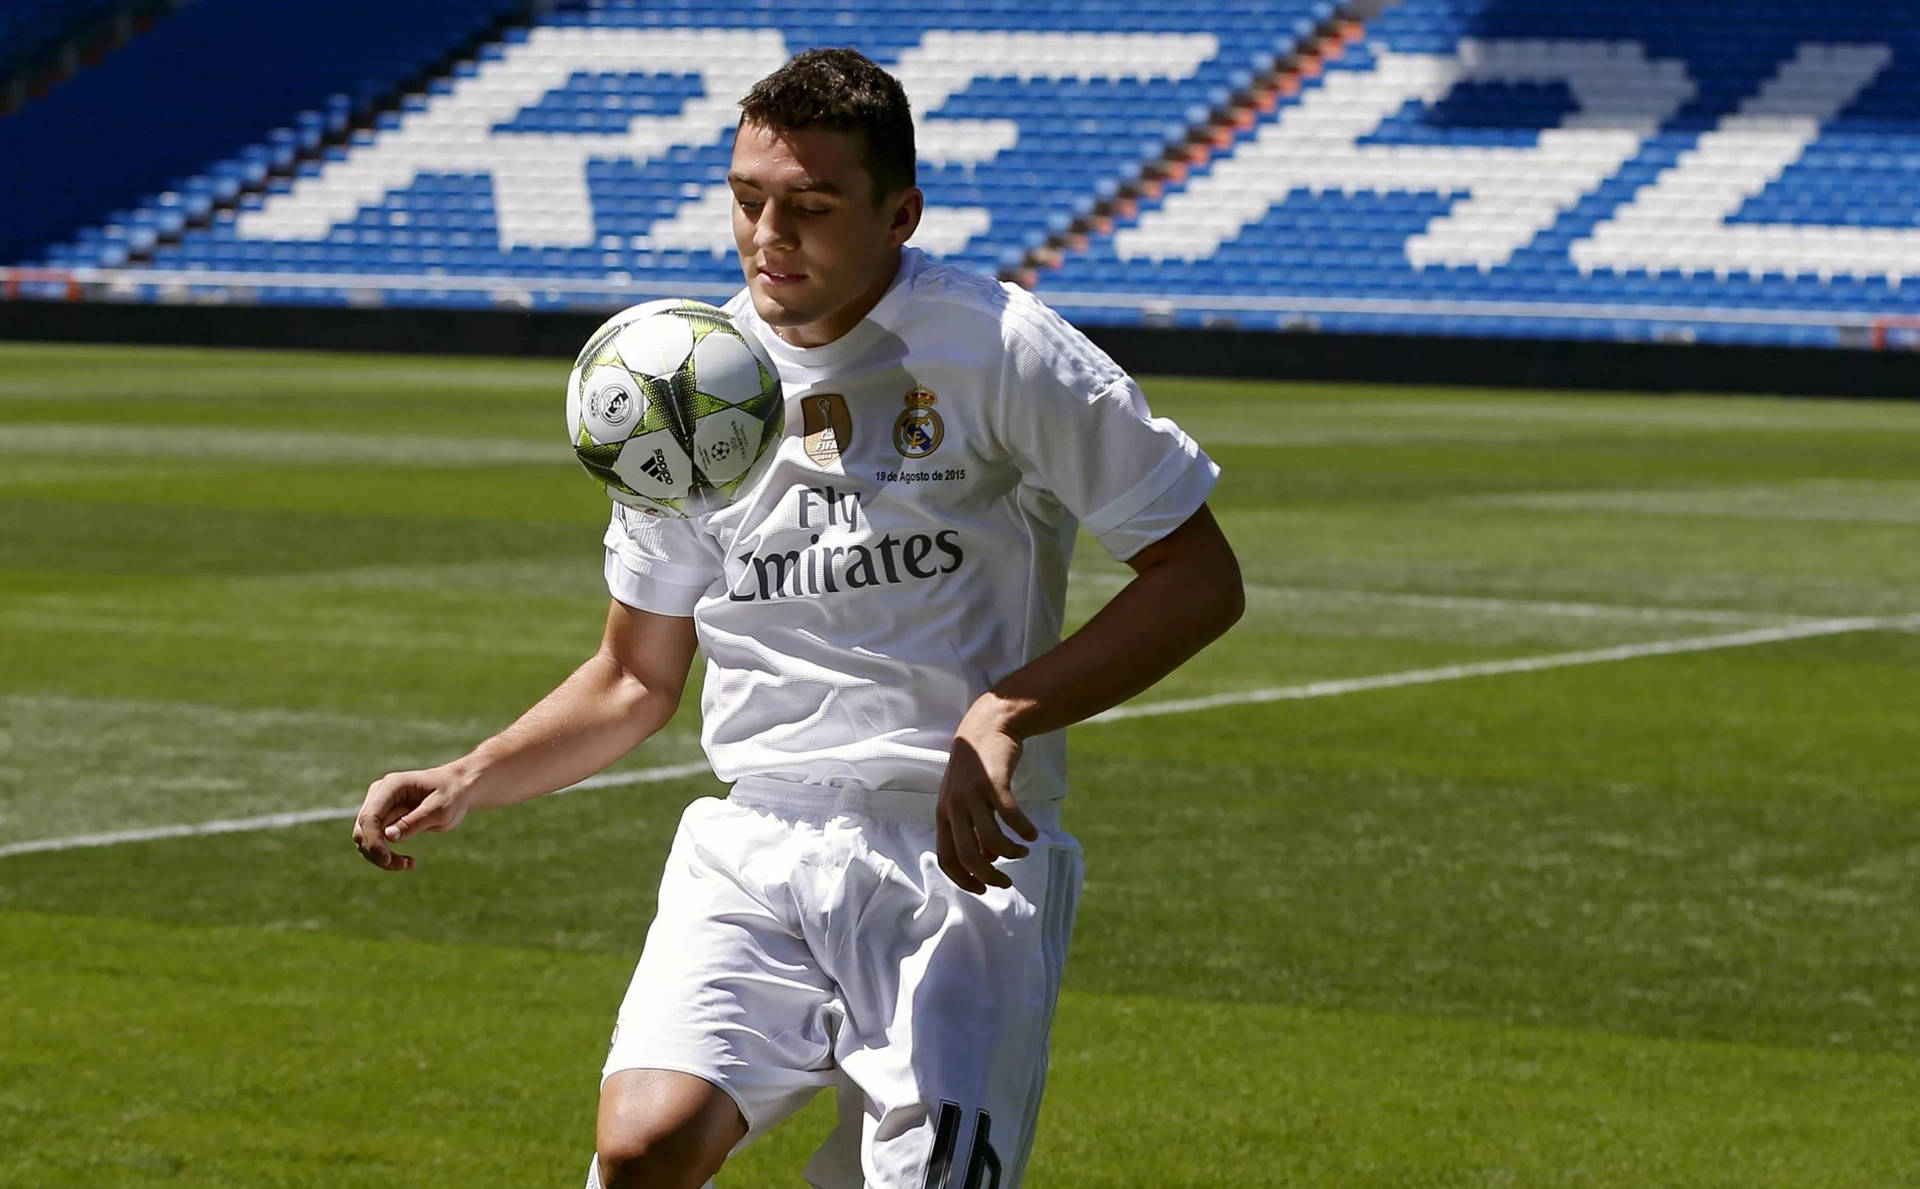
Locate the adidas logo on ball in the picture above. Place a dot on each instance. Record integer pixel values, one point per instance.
(656, 469)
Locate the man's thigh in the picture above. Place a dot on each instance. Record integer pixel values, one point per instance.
(950, 1000)
(724, 989)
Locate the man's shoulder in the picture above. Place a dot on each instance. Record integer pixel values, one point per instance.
(958, 301)
(946, 284)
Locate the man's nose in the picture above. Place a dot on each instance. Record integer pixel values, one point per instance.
(775, 228)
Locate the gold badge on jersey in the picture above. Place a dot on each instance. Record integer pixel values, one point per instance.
(918, 431)
(828, 427)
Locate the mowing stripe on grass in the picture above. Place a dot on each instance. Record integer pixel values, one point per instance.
(307, 447)
(241, 718)
(1315, 689)
(1858, 501)
(1519, 664)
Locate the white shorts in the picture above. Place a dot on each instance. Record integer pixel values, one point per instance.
(806, 937)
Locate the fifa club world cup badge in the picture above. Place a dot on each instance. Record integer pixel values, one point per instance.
(828, 427)
(918, 431)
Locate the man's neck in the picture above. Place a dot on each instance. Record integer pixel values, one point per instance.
(842, 321)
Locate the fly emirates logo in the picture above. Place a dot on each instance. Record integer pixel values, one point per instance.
(841, 553)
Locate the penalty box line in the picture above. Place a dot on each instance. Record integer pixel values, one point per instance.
(1288, 693)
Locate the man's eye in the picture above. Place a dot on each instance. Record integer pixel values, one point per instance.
(812, 210)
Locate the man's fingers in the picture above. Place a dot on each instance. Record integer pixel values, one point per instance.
(993, 840)
(430, 814)
(960, 878)
(376, 852)
(372, 830)
(944, 852)
(388, 860)
(960, 855)
(963, 879)
(970, 839)
(980, 840)
(1016, 817)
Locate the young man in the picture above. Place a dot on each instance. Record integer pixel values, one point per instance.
(885, 685)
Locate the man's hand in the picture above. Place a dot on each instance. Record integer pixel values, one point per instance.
(624, 692)
(402, 804)
(1185, 592)
(977, 787)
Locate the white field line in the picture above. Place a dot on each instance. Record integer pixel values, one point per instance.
(1480, 603)
(1567, 610)
(1520, 664)
(1316, 689)
(298, 817)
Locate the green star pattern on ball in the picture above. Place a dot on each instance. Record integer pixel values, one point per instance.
(673, 408)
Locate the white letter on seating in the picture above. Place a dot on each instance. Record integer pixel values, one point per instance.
(539, 179)
(1680, 221)
(1512, 195)
(940, 67)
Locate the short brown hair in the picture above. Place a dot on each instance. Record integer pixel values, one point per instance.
(842, 90)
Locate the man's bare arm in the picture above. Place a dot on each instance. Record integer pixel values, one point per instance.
(1186, 592)
(623, 693)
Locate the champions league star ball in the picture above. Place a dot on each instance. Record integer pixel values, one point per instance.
(674, 408)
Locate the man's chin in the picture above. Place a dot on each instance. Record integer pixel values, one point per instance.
(774, 312)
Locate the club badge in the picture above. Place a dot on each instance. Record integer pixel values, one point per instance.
(612, 404)
(918, 431)
(827, 425)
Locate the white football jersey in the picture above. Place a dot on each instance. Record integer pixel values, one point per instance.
(909, 544)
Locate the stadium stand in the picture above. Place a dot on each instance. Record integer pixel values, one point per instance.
(1725, 170)
(208, 79)
(29, 28)
(1734, 171)
(587, 150)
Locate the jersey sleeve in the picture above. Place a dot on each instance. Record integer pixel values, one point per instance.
(1080, 429)
(657, 564)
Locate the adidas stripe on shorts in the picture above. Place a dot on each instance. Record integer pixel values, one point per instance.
(806, 938)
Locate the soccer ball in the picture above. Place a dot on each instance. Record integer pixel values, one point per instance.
(674, 408)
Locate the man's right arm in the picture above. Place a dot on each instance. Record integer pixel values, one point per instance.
(625, 692)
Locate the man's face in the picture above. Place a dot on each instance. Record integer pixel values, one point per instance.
(817, 251)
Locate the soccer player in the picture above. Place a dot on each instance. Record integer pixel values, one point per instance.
(882, 902)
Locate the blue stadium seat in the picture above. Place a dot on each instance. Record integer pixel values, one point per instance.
(1062, 137)
(1801, 240)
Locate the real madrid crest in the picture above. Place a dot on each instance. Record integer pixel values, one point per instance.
(918, 430)
(828, 427)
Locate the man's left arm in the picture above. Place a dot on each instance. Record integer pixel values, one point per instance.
(1185, 593)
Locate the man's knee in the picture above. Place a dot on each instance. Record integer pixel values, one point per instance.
(664, 1130)
(641, 1160)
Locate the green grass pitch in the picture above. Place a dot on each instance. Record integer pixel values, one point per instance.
(1647, 921)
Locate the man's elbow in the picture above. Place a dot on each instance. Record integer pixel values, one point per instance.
(656, 703)
(1205, 573)
(1218, 574)
(1214, 596)
(637, 697)
(1229, 600)
(657, 706)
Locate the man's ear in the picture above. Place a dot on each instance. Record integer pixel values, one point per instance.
(908, 208)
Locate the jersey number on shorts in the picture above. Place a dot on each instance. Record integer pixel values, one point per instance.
(983, 1164)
